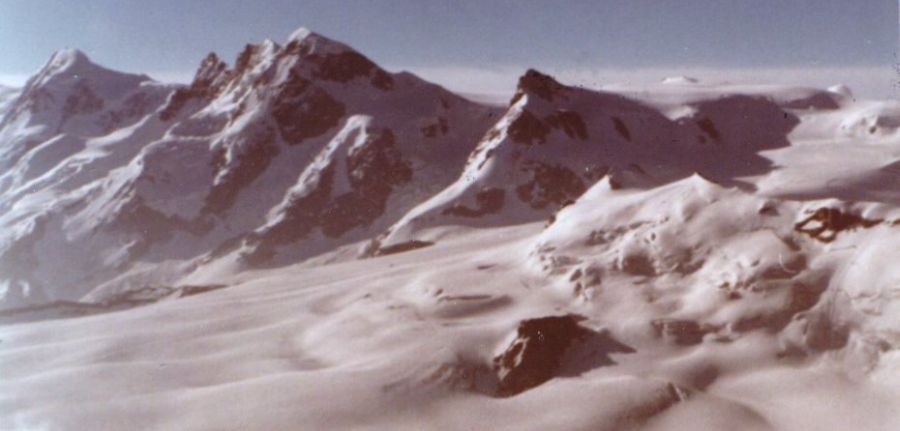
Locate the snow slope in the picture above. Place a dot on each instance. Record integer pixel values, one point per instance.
(306, 241)
(408, 342)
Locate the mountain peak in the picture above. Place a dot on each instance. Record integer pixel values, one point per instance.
(539, 84)
(68, 60)
(70, 71)
(211, 68)
(316, 43)
(72, 64)
(69, 56)
(300, 34)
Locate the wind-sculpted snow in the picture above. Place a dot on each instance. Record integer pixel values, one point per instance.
(305, 239)
(715, 263)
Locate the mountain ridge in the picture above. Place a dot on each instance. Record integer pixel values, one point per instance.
(307, 146)
(178, 181)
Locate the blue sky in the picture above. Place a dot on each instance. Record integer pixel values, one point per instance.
(169, 37)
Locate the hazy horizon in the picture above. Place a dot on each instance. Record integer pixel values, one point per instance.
(468, 46)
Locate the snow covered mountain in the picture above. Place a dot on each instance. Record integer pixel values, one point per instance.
(307, 238)
(556, 141)
(71, 126)
(293, 151)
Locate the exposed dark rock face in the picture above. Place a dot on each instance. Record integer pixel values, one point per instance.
(374, 171)
(821, 333)
(212, 72)
(208, 82)
(251, 156)
(550, 185)
(803, 296)
(528, 129)
(402, 247)
(340, 67)
(348, 65)
(637, 263)
(298, 220)
(382, 80)
(196, 289)
(245, 59)
(708, 127)
(439, 128)
(303, 110)
(570, 122)
(81, 101)
(534, 82)
(548, 347)
(537, 352)
(826, 223)
(490, 201)
(621, 128)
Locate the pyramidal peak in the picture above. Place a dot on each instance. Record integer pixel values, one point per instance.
(539, 84)
(68, 65)
(66, 62)
(300, 34)
(70, 78)
(68, 58)
(316, 43)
